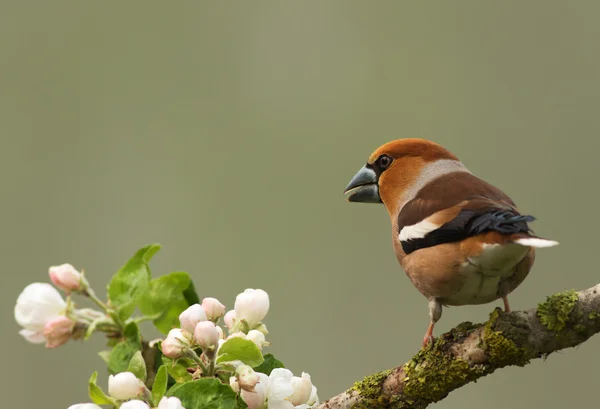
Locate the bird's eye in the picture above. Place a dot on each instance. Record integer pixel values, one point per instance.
(384, 161)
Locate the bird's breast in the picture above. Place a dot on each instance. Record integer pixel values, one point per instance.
(459, 277)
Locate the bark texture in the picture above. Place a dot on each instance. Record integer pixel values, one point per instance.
(471, 351)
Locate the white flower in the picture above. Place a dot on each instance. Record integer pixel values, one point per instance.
(206, 335)
(124, 385)
(135, 404)
(257, 337)
(175, 344)
(257, 399)
(230, 319)
(302, 389)
(287, 391)
(84, 406)
(213, 308)
(314, 398)
(191, 317)
(66, 277)
(169, 403)
(252, 306)
(37, 304)
(58, 331)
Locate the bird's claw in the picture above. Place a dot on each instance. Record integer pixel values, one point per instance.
(427, 340)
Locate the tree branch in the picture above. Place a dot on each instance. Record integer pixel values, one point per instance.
(471, 351)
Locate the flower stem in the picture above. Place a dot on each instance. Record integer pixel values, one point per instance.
(92, 295)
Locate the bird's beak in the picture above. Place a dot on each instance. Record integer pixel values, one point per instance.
(363, 187)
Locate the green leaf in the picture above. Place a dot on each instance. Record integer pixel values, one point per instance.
(178, 369)
(160, 384)
(137, 366)
(124, 351)
(132, 335)
(167, 296)
(190, 294)
(240, 349)
(269, 364)
(205, 393)
(131, 281)
(97, 395)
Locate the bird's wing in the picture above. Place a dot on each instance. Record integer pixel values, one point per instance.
(455, 207)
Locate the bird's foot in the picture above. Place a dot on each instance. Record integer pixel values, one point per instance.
(428, 339)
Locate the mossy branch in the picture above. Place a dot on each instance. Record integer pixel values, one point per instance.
(471, 351)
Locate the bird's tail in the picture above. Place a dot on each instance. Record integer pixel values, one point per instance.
(532, 241)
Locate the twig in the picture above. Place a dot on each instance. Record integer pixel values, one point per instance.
(471, 351)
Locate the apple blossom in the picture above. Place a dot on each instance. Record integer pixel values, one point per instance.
(230, 319)
(206, 335)
(124, 385)
(252, 306)
(286, 391)
(191, 317)
(58, 331)
(314, 398)
(169, 403)
(84, 406)
(257, 399)
(135, 404)
(37, 304)
(66, 277)
(302, 389)
(213, 308)
(175, 344)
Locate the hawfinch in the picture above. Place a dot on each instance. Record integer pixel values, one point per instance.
(460, 240)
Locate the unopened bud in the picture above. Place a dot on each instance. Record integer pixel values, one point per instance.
(213, 308)
(84, 406)
(206, 335)
(124, 385)
(175, 344)
(169, 403)
(302, 389)
(252, 306)
(66, 277)
(135, 404)
(230, 319)
(258, 338)
(191, 317)
(58, 331)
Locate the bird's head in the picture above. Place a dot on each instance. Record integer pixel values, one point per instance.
(396, 169)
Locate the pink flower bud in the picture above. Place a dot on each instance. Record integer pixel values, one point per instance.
(175, 344)
(191, 317)
(124, 386)
(213, 308)
(66, 277)
(58, 331)
(230, 319)
(252, 306)
(206, 335)
(246, 377)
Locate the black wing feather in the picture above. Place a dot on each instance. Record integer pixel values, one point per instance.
(469, 223)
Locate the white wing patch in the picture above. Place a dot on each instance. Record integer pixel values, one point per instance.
(536, 242)
(417, 231)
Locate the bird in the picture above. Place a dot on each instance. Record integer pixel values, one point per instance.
(460, 240)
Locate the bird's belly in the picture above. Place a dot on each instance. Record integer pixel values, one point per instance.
(482, 276)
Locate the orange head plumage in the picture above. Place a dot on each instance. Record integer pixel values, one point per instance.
(396, 169)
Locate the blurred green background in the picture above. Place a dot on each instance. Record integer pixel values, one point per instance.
(227, 132)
